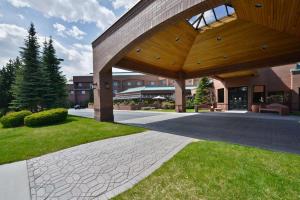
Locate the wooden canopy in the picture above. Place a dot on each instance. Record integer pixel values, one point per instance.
(259, 34)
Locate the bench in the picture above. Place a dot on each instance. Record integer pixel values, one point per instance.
(275, 107)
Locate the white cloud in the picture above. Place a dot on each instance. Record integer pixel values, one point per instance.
(77, 57)
(89, 11)
(21, 16)
(74, 32)
(127, 4)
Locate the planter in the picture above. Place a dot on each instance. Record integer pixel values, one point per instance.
(255, 108)
(126, 107)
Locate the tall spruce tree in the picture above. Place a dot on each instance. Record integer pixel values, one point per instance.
(7, 78)
(30, 86)
(56, 94)
(203, 91)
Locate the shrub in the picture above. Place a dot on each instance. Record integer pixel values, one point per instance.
(168, 105)
(47, 117)
(14, 119)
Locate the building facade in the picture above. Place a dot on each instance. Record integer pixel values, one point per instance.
(263, 86)
(80, 89)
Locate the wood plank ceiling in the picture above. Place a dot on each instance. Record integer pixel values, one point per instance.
(257, 31)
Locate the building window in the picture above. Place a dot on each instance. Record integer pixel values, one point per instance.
(91, 85)
(259, 94)
(152, 83)
(139, 83)
(163, 82)
(276, 97)
(221, 95)
(82, 92)
(116, 83)
(115, 91)
(79, 84)
(71, 92)
(129, 83)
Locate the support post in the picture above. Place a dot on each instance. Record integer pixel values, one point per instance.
(180, 104)
(103, 96)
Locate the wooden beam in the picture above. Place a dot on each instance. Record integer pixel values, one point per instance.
(134, 65)
(266, 62)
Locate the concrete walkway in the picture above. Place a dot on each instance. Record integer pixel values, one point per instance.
(97, 170)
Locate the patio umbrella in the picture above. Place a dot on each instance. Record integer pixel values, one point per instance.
(159, 98)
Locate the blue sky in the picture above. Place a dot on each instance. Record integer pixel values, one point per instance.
(73, 24)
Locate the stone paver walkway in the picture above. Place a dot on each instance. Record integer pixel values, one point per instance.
(102, 169)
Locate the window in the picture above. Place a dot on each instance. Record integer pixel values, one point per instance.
(221, 95)
(276, 97)
(79, 84)
(129, 83)
(152, 83)
(115, 91)
(116, 83)
(139, 83)
(82, 92)
(71, 92)
(91, 85)
(163, 82)
(259, 94)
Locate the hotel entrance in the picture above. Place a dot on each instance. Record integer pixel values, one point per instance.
(238, 98)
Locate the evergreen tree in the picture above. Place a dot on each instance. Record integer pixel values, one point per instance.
(7, 78)
(203, 91)
(30, 86)
(57, 93)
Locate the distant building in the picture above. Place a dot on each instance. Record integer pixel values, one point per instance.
(80, 89)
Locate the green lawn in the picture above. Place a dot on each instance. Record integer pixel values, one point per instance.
(24, 142)
(216, 170)
(297, 113)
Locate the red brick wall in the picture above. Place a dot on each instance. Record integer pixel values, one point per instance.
(275, 79)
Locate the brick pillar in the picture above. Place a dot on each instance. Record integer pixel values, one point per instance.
(180, 95)
(103, 96)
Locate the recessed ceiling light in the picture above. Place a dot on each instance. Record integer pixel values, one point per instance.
(225, 56)
(157, 57)
(177, 39)
(199, 62)
(138, 50)
(264, 46)
(219, 38)
(258, 5)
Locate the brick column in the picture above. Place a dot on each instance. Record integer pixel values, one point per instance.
(180, 95)
(103, 96)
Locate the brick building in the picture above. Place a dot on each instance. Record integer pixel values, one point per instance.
(259, 86)
(81, 87)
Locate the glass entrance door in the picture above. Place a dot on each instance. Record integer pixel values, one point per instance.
(238, 98)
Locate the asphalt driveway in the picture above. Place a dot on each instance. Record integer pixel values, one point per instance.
(268, 131)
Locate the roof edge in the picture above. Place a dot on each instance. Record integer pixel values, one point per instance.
(141, 5)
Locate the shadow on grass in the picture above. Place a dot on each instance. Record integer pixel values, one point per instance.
(68, 120)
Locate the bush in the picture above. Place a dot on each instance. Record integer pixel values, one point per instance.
(14, 119)
(168, 105)
(47, 117)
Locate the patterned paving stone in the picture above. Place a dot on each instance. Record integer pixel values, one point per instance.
(101, 169)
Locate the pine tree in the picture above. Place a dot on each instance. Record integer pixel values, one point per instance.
(203, 92)
(7, 78)
(30, 86)
(56, 95)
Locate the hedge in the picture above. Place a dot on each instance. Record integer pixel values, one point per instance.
(14, 119)
(47, 117)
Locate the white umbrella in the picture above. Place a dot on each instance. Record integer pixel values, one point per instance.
(159, 98)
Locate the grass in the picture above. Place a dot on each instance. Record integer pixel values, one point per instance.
(173, 110)
(216, 170)
(297, 113)
(24, 142)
